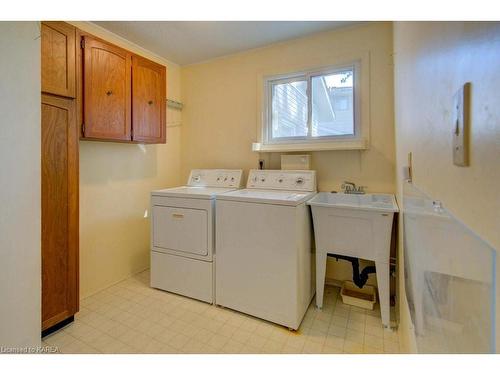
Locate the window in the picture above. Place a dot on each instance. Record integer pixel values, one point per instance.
(311, 108)
(332, 104)
(289, 114)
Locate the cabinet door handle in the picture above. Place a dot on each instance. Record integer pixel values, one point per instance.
(150, 102)
(109, 93)
(177, 216)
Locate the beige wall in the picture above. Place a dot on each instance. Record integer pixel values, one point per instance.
(432, 60)
(115, 182)
(221, 109)
(20, 200)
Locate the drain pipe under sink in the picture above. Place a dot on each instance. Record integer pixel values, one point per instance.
(359, 278)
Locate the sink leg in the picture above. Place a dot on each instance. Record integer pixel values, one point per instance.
(383, 292)
(320, 277)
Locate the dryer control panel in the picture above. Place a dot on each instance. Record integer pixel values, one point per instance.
(282, 180)
(215, 178)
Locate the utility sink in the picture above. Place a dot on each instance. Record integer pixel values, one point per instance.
(355, 225)
(367, 202)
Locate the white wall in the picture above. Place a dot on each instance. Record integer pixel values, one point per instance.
(432, 60)
(20, 201)
(115, 184)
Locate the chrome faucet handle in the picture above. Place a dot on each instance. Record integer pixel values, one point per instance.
(348, 187)
(356, 190)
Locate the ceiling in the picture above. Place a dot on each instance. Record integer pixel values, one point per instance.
(188, 42)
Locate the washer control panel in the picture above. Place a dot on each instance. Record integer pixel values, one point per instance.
(215, 178)
(282, 180)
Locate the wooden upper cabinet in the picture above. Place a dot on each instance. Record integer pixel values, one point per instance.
(148, 101)
(106, 91)
(123, 96)
(59, 180)
(58, 58)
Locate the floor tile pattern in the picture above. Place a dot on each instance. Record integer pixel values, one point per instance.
(131, 317)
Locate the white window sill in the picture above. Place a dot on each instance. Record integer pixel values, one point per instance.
(360, 144)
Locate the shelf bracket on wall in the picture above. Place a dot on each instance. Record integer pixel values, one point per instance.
(174, 104)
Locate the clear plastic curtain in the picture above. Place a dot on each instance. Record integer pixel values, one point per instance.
(449, 279)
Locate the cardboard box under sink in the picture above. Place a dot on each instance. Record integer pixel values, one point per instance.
(365, 297)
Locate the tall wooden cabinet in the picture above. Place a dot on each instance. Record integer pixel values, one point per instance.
(59, 210)
(59, 179)
(93, 90)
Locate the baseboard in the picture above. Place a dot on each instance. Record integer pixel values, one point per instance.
(58, 326)
(82, 297)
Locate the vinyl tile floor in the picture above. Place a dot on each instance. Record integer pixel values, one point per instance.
(132, 317)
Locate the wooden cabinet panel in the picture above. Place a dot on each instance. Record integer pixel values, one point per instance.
(106, 91)
(148, 101)
(59, 151)
(58, 58)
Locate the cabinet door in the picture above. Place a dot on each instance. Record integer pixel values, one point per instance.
(106, 91)
(148, 101)
(58, 58)
(59, 210)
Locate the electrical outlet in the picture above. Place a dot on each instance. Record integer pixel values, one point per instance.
(461, 126)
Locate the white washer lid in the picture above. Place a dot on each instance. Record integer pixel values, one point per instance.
(279, 197)
(191, 192)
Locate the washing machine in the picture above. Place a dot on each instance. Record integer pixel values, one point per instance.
(264, 253)
(183, 233)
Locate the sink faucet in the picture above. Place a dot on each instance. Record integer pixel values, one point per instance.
(351, 188)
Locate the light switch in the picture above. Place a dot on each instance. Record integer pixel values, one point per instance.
(408, 170)
(461, 126)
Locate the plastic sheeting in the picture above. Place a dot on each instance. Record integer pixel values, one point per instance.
(449, 278)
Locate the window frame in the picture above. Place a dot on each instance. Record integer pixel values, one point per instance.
(357, 141)
(307, 76)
